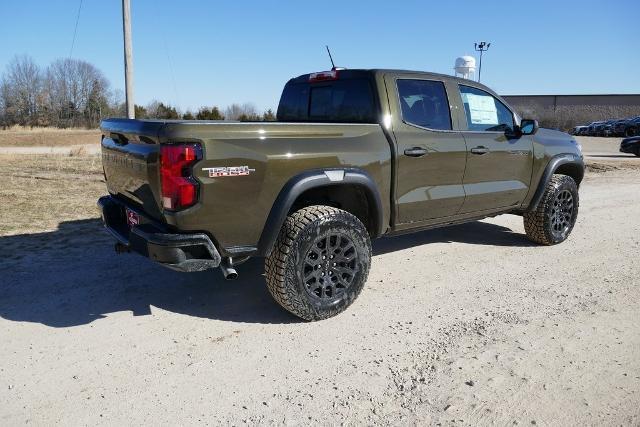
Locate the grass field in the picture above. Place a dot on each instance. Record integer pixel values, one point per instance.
(17, 136)
(38, 192)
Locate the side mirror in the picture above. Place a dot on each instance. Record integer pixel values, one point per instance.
(528, 127)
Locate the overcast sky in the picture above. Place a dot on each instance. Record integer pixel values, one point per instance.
(193, 53)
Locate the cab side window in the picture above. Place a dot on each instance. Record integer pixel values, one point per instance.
(484, 112)
(424, 103)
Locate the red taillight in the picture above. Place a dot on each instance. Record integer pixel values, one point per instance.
(178, 187)
(323, 76)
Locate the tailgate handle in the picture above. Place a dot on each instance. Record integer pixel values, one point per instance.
(480, 150)
(415, 152)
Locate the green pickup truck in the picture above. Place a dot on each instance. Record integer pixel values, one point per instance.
(354, 155)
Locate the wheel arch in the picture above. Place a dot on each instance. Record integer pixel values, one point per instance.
(564, 164)
(352, 190)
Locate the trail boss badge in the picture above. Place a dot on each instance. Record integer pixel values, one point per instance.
(228, 171)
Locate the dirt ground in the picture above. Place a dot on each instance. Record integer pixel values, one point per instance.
(469, 324)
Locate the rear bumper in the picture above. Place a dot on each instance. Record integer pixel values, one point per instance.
(178, 251)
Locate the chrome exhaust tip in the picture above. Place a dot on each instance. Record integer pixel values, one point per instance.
(226, 266)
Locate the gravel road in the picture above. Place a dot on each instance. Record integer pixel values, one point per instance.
(469, 324)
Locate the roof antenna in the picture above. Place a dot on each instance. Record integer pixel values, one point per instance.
(333, 66)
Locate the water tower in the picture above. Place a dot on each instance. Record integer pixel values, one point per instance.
(465, 66)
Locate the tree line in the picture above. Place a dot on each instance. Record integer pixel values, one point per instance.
(74, 93)
(244, 113)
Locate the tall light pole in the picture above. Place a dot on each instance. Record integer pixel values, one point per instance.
(481, 47)
(128, 59)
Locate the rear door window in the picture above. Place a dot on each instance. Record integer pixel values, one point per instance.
(424, 103)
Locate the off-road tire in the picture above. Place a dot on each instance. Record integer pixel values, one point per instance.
(286, 268)
(539, 224)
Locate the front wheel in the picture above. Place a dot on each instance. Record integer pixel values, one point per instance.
(320, 262)
(552, 221)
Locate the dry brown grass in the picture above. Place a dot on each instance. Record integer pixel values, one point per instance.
(40, 191)
(18, 136)
(78, 152)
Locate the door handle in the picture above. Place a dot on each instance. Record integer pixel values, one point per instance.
(415, 152)
(480, 150)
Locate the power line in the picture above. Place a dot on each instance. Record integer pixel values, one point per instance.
(75, 30)
(173, 78)
(167, 53)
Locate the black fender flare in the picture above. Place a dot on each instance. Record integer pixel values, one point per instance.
(307, 181)
(550, 169)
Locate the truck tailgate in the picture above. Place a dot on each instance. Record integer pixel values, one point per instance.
(130, 160)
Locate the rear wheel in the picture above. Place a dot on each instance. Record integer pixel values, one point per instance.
(556, 214)
(320, 262)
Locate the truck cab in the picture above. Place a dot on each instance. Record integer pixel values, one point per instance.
(459, 149)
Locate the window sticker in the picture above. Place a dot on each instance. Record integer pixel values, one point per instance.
(482, 109)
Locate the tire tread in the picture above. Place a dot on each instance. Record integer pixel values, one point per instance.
(277, 262)
(535, 222)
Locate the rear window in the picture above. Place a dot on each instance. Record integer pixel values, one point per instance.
(339, 101)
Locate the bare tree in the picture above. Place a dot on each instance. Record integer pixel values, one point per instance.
(77, 92)
(4, 121)
(20, 91)
(151, 110)
(245, 112)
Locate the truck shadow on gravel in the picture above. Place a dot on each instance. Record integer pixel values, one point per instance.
(72, 276)
(476, 233)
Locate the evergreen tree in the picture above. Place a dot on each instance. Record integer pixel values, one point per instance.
(268, 116)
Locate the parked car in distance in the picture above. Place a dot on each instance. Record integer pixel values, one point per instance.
(607, 129)
(627, 127)
(610, 129)
(601, 128)
(584, 131)
(631, 145)
(578, 130)
(591, 129)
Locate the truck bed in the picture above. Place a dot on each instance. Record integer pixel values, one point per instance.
(269, 152)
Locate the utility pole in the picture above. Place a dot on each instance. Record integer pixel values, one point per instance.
(481, 47)
(128, 58)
